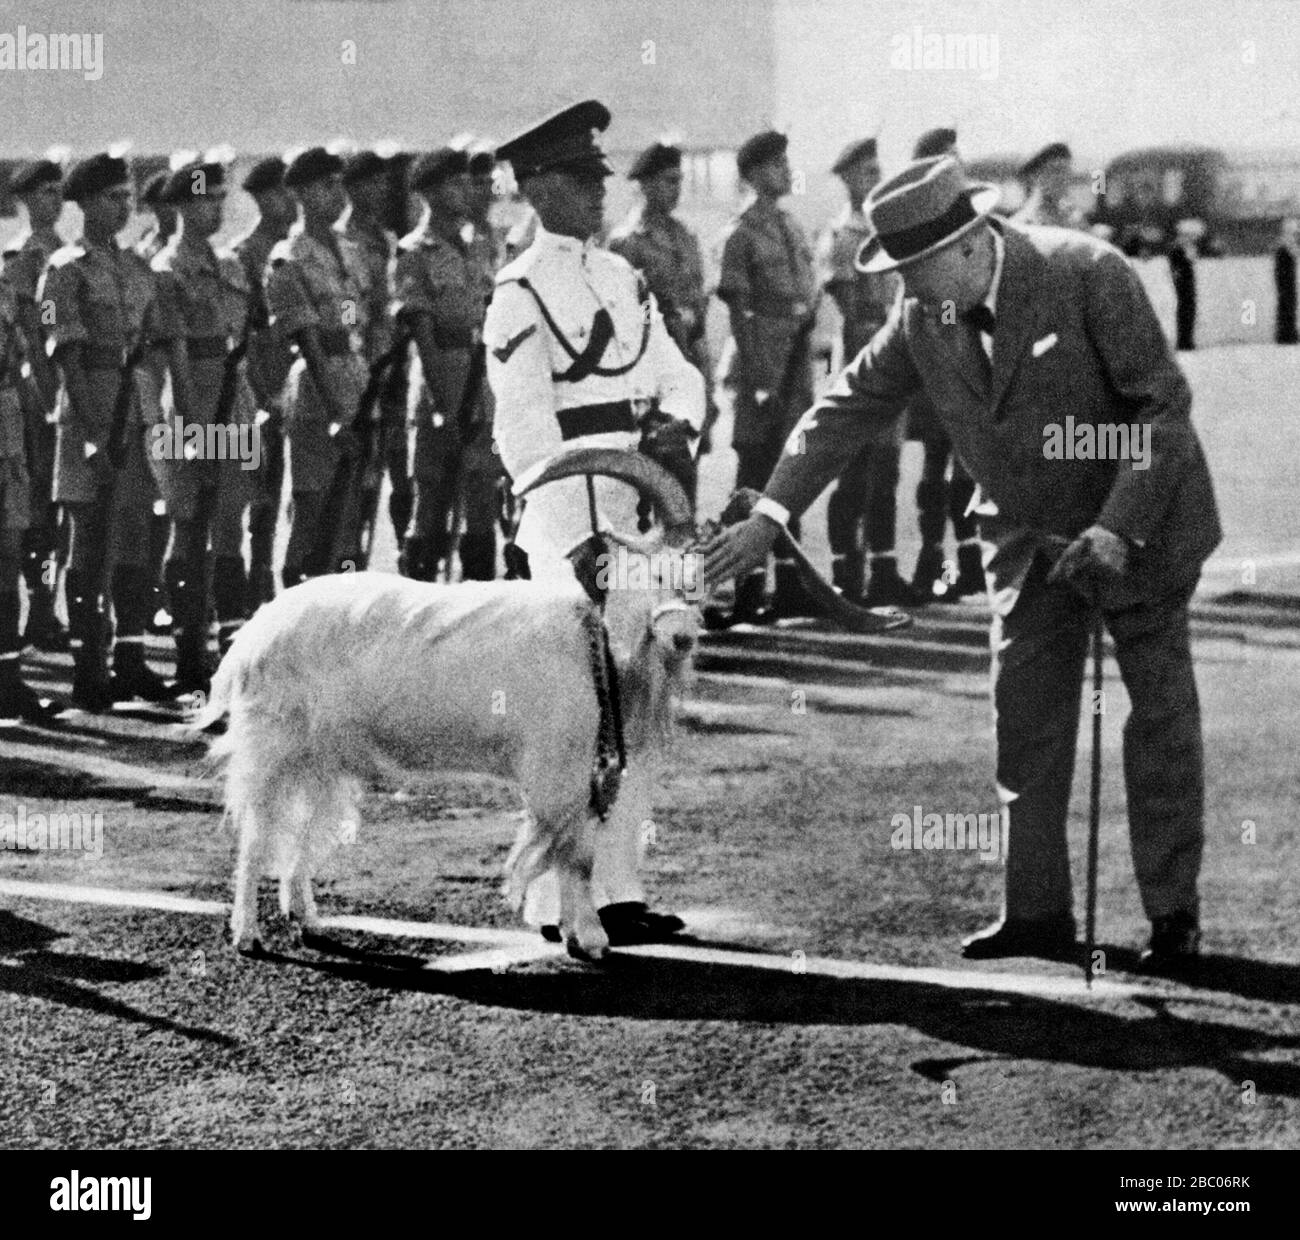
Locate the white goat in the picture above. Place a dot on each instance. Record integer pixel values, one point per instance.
(354, 675)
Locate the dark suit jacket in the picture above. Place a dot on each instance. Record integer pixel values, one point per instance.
(1075, 336)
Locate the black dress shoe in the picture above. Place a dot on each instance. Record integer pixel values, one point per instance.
(886, 588)
(631, 922)
(20, 701)
(551, 934)
(1175, 944)
(1049, 938)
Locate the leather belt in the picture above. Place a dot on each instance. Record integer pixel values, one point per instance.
(603, 419)
(206, 348)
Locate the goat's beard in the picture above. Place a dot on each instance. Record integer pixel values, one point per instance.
(648, 693)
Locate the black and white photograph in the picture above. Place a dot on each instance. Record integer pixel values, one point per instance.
(650, 575)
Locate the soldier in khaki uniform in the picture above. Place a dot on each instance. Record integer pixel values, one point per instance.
(1046, 176)
(316, 294)
(863, 510)
(269, 360)
(102, 298)
(667, 254)
(366, 176)
(441, 297)
(767, 283)
(39, 187)
(16, 698)
(204, 302)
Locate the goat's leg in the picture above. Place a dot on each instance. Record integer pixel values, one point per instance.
(584, 936)
(245, 932)
(297, 901)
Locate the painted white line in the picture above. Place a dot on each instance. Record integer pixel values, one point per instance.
(107, 768)
(76, 894)
(510, 947)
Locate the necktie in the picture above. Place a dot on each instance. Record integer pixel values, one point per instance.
(981, 318)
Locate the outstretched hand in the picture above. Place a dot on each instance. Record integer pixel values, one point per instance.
(738, 549)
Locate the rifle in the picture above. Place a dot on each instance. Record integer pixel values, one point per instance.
(115, 451)
(465, 432)
(344, 501)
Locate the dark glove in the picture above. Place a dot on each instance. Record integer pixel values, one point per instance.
(1092, 563)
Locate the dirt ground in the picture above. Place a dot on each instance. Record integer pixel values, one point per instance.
(820, 1001)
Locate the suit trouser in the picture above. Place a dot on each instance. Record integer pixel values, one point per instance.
(1039, 650)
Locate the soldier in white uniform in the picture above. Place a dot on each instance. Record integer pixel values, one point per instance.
(577, 355)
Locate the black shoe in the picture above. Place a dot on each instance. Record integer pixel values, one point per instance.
(43, 630)
(970, 576)
(1175, 944)
(886, 588)
(1049, 938)
(19, 701)
(928, 571)
(133, 678)
(95, 694)
(551, 934)
(631, 922)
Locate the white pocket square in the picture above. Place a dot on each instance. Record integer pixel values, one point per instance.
(1041, 346)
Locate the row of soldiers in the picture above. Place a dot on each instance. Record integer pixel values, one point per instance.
(121, 363)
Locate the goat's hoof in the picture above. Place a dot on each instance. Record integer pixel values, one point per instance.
(592, 953)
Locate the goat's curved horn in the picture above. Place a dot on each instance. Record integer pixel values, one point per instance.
(635, 468)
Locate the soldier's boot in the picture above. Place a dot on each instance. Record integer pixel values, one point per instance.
(478, 556)
(230, 597)
(790, 600)
(190, 608)
(886, 588)
(17, 699)
(40, 572)
(132, 677)
(401, 502)
(846, 575)
(417, 559)
(92, 687)
(928, 571)
(970, 573)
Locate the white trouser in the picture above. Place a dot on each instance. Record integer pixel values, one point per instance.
(558, 515)
(620, 847)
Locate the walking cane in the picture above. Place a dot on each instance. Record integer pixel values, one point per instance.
(1094, 806)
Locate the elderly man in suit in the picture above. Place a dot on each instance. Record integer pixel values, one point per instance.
(1021, 336)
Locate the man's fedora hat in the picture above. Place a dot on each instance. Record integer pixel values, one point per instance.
(921, 210)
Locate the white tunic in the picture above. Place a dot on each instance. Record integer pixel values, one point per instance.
(575, 279)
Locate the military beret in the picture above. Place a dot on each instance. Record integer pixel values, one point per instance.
(362, 166)
(863, 148)
(194, 180)
(759, 149)
(656, 158)
(94, 175)
(482, 160)
(314, 164)
(565, 141)
(265, 174)
(1053, 150)
(35, 173)
(934, 142)
(434, 167)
